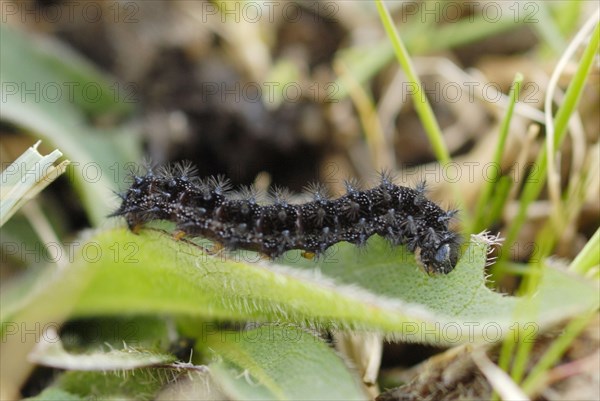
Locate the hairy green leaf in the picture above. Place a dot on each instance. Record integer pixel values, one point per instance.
(280, 362)
(379, 288)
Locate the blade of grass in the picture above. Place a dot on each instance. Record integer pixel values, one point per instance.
(506, 352)
(551, 148)
(500, 381)
(422, 106)
(520, 339)
(524, 343)
(588, 257)
(536, 179)
(524, 346)
(501, 194)
(567, 15)
(26, 177)
(484, 199)
(367, 62)
(573, 200)
(547, 237)
(380, 150)
(555, 352)
(548, 29)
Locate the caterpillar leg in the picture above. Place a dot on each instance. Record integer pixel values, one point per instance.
(135, 228)
(308, 255)
(178, 235)
(215, 248)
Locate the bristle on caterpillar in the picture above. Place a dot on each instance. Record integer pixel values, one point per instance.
(208, 208)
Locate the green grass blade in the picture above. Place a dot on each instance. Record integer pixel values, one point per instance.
(501, 193)
(556, 351)
(366, 62)
(481, 210)
(23, 179)
(524, 345)
(432, 128)
(422, 106)
(537, 178)
(588, 257)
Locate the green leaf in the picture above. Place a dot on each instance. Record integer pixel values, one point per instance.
(377, 288)
(140, 384)
(45, 71)
(25, 178)
(280, 363)
(52, 353)
(42, 86)
(56, 394)
(136, 368)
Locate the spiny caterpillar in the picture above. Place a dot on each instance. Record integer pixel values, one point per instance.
(207, 208)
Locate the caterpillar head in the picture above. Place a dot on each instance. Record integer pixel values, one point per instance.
(145, 200)
(443, 258)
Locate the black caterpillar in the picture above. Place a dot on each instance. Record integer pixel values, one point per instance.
(205, 207)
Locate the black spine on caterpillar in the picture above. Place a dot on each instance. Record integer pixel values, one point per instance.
(203, 208)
